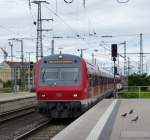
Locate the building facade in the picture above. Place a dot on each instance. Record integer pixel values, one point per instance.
(17, 72)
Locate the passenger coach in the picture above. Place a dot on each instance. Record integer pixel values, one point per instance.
(67, 85)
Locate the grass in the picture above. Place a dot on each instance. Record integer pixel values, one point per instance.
(5, 90)
(145, 95)
(9, 90)
(133, 92)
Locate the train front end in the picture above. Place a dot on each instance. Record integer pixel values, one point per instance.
(60, 85)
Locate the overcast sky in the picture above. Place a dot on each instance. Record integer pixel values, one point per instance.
(104, 17)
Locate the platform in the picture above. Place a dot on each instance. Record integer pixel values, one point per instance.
(13, 96)
(122, 119)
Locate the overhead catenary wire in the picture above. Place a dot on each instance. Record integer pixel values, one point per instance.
(71, 29)
(122, 1)
(68, 1)
(62, 20)
(81, 35)
(9, 30)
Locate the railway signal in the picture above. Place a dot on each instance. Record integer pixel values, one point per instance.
(115, 70)
(114, 55)
(114, 50)
(31, 65)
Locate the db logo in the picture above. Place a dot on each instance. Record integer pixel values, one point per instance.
(59, 94)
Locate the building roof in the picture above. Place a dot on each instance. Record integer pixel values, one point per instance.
(17, 64)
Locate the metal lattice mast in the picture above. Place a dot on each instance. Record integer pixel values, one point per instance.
(141, 53)
(39, 45)
(125, 60)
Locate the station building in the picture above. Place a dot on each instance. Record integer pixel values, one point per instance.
(13, 71)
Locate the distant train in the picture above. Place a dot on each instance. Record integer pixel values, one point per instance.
(67, 85)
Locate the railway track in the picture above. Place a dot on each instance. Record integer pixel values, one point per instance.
(30, 127)
(18, 127)
(33, 130)
(44, 131)
(47, 131)
(16, 113)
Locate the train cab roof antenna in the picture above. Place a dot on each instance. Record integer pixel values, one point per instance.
(29, 4)
(84, 3)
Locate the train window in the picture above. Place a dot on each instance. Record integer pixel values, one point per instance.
(96, 80)
(51, 74)
(103, 80)
(92, 80)
(89, 76)
(100, 80)
(69, 74)
(60, 76)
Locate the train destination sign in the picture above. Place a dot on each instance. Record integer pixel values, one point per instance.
(60, 62)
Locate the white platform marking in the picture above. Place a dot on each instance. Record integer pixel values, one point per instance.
(97, 130)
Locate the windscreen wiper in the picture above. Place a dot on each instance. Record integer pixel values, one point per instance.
(43, 75)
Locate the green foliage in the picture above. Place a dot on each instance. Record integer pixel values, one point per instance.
(18, 81)
(145, 95)
(7, 83)
(1, 81)
(130, 95)
(139, 80)
(5, 90)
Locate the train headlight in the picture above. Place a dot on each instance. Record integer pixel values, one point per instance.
(43, 95)
(75, 95)
(60, 56)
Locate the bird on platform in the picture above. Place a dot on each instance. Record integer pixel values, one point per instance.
(131, 111)
(135, 119)
(124, 115)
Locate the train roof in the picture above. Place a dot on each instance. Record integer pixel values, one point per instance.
(66, 56)
(95, 69)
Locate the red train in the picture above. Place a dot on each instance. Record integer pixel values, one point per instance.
(67, 85)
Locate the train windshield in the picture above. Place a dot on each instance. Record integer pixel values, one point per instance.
(60, 76)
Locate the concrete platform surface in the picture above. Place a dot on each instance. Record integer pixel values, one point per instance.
(12, 96)
(120, 119)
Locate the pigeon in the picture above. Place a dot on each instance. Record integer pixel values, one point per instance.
(131, 111)
(135, 119)
(124, 115)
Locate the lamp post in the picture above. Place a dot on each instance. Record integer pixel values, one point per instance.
(81, 51)
(29, 72)
(22, 58)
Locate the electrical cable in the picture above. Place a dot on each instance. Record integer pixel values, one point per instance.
(4, 28)
(62, 20)
(124, 1)
(66, 1)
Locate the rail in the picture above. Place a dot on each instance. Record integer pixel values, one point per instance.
(16, 113)
(26, 134)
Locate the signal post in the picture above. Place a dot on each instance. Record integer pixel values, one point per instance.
(114, 56)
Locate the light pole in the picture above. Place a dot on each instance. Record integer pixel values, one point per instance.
(22, 58)
(94, 59)
(125, 49)
(11, 45)
(29, 72)
(60, 48)
(81, 51)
